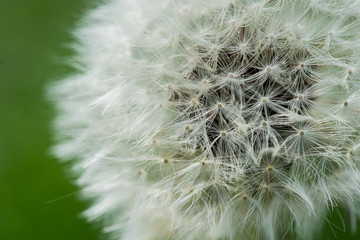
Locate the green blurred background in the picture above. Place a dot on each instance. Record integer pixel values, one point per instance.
(33, 35)
(37, 200)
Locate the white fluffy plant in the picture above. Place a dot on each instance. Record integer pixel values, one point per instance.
(213, 119)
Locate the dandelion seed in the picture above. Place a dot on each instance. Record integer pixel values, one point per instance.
(264, 123)
(191, 61)
(271, 37)
(215, 48)
(232, 22)
(243, 46)
(231, 75)
(265, 187)
(194, 102)
(269, 168)
(245, 196)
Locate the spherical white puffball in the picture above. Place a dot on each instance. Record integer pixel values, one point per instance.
(229, 120)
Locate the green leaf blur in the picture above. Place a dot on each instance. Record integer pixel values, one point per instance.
(33, 35)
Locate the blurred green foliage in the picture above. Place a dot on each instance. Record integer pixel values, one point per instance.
(37, 200)
(33, 34)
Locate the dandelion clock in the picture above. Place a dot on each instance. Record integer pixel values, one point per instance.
(220, 120)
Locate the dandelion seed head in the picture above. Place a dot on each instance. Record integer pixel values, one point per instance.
(225, 120)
